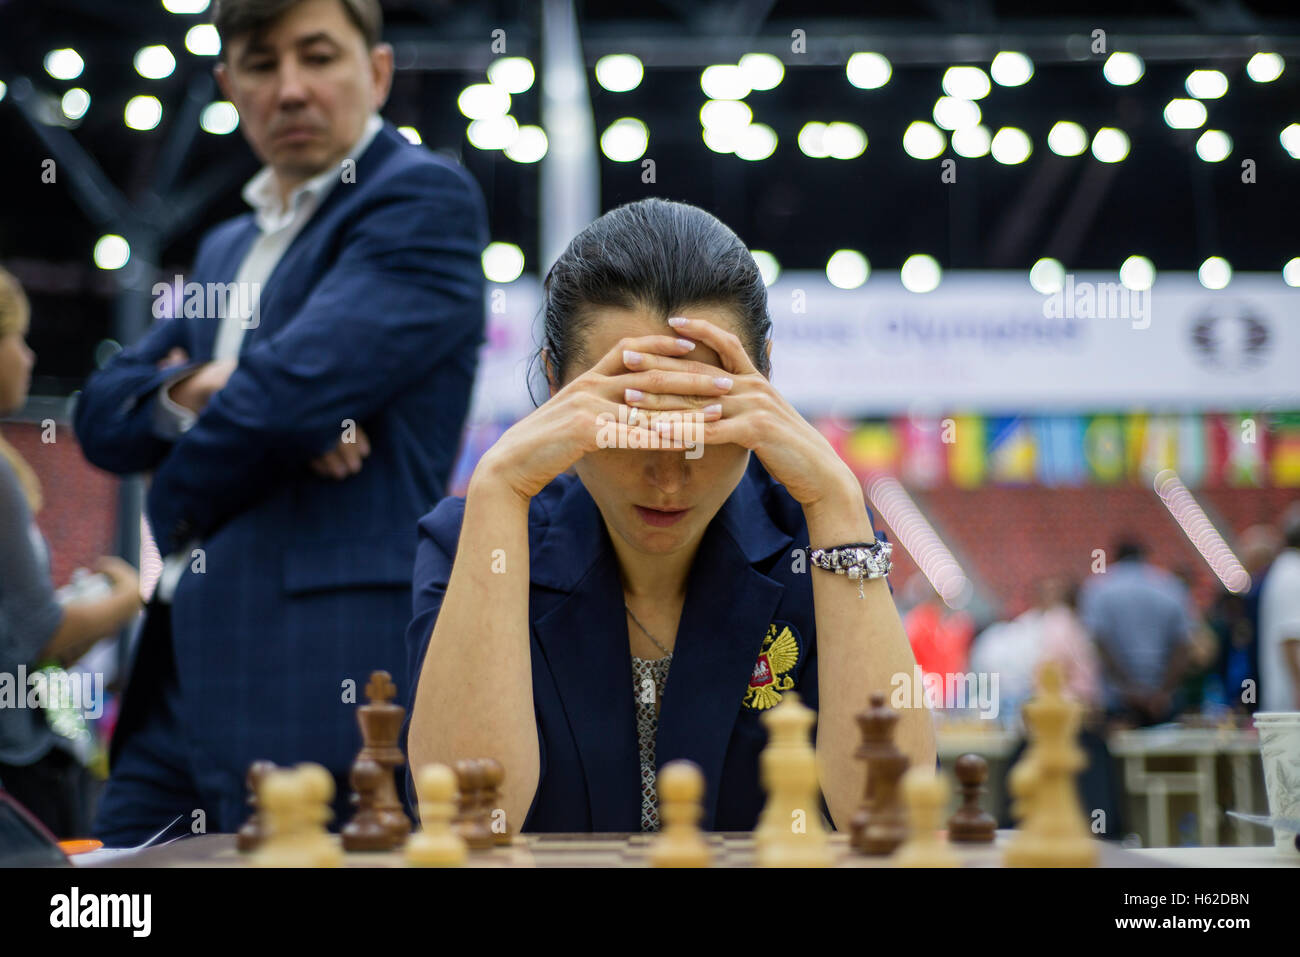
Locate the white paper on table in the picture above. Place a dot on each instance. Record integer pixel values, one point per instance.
(1263, 820)
(110, 853)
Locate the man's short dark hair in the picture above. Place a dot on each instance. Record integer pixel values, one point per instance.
(1291, 525)
(237, 18)
(1127, 548)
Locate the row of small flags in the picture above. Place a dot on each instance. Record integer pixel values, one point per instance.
(1245, 450)
(967, 451)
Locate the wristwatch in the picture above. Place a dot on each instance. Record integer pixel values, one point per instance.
(857, 560)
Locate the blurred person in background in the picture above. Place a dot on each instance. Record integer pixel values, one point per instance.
(1237, 650)
(940, 636)
(1010, 650)
(1063, 639)
(1051, 631)
(1048, 631)
(1279, 623)
(1201, 688)
(1259, 547)
(41, 754)
(1137, 615)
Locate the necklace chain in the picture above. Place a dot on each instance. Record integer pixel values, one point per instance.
(646, 630)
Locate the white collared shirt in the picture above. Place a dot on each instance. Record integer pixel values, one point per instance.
(278, 225)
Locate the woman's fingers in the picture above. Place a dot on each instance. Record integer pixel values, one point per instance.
(622, 427)
(665, 382)
(657, 402)
(614, 361)
(728, 347)
(647, 361)
(687, 430)
(646, 418)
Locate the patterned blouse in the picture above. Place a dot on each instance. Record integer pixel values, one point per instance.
(648, 678)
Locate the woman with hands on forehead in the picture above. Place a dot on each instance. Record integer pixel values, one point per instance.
(624, 583)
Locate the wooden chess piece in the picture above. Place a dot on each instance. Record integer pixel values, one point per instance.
(284, 797)
(381, 726)
(790, 832)
(436, 844)
(473, 822)
(318, 785)
(971, 824)
(1022, 781)
(681, 791)
(493, 776)
(466, 794)
(366, 830)
(925, 795)
(253, 832)
(879, 825)
(1053, 832)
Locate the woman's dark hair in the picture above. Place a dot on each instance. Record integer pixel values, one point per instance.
(655, 255)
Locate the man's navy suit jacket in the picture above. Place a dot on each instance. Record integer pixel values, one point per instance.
(374, 314)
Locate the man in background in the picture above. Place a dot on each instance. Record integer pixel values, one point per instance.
(294, 445)
(1279, 624)
(1258, 546)
(1139, 619)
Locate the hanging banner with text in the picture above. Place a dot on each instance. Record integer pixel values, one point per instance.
(985, 342)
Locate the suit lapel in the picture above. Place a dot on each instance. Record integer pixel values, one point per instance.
(295, 276)
(592, 668)
(584, 641)
(724, 620)
(222, 267)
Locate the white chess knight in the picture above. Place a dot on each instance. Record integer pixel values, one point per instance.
(790, 832)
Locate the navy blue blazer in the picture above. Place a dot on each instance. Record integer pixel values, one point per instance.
(375, 313)
(745, 590)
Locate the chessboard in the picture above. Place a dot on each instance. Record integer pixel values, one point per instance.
(900, 823)
(726, 849)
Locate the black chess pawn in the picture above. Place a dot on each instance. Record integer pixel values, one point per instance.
(251, 835)
(494, 776)
(472, 822)
(367, 830)
(971, 824)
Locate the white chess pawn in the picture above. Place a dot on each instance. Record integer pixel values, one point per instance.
(282, 795)
(318, 791)
(925, 795)
(681, 789)
(436, 844)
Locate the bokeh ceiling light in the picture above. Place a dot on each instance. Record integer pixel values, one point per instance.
(868, 71)
(966, 82)
(1123, 69)
(1010, 68)
(619, 72)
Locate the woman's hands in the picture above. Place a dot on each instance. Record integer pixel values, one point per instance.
(705, 405)
(598, 409)
(756, 416)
